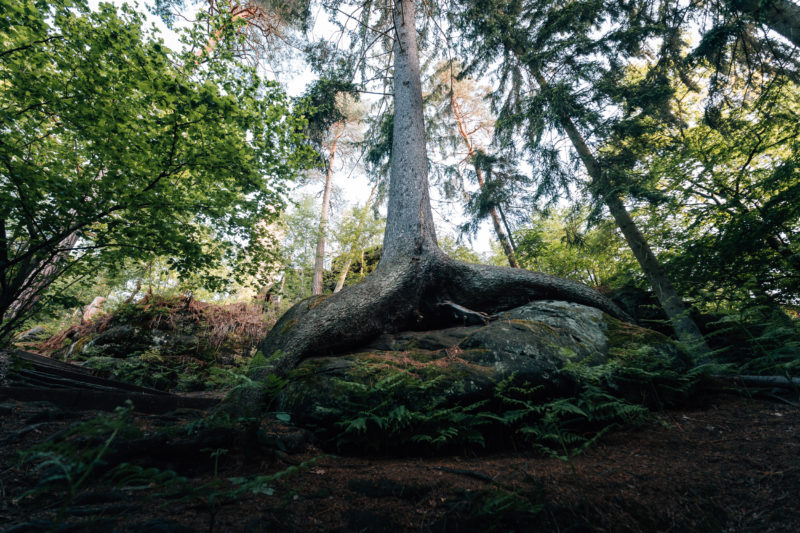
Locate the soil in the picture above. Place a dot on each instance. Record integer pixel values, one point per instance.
(728, 463)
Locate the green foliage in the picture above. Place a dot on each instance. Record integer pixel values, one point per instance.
(68, 459)
(359, 234)
(363, 261)
(498, 509)
(167, 343)
(733, 216)
(319, 107)
(402, 412)
(561, 243)
(149, 372)
(300, 226)
(761, 340)
(117, 147)
(458, 250)
(563, 426)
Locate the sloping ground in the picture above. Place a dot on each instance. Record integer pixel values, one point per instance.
(729, 464)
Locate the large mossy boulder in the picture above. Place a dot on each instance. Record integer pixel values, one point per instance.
(549, 349)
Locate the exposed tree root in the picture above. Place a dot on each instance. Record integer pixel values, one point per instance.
(407, 295)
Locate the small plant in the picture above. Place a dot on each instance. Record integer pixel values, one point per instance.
(66, 463)
(152, 355)
(218, 491)
(385, 419)
(562, 427)
(496, 509)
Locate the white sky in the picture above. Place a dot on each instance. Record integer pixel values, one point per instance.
(354, 185)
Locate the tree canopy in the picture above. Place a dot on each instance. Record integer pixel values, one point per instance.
(113, 146)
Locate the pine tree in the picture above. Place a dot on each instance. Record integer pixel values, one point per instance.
(540, 39)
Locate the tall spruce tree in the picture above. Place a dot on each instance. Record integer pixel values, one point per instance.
(414, 278)
(560, 70)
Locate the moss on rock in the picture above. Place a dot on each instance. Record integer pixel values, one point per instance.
(554, 348)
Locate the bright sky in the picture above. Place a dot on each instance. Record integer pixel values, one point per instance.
(354, 186)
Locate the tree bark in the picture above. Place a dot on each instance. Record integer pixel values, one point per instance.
(508, 230)
(344, 272)
(316, 280)
(36, 280)
(505, 242)
(685, 328)
(782, 16)
(413, 275)
(409, 222)
(359, 228)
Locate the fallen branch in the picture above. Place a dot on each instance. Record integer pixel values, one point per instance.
(32, 377)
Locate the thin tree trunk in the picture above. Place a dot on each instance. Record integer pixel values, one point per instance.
(685, 328)
(508, 229)
(316, 280)
(343, 273)
(280, 290)
(37, 280)
(505, 242)
(135, 291)
(359, 228)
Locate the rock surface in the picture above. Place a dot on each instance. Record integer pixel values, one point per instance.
(544, 344)
(34, 334)
(122, 340)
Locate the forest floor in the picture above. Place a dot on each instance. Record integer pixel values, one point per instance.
(729, 463)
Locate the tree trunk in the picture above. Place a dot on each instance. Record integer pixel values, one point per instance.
(344, 272)
(505, 242)
(409, 222)
(508, 230)
(36, 280)
(316, 280)
(359, 228)
(413, 275)
(685, 328)
(783, 16)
